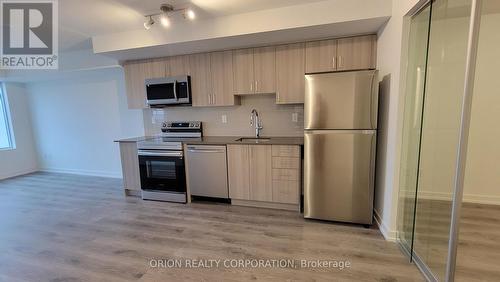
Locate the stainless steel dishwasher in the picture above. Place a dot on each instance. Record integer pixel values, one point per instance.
(207, 170)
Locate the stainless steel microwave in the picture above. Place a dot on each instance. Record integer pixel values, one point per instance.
(175, 90)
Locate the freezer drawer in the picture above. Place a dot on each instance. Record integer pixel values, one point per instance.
(343, 100)
(339, 170)
(207, 169)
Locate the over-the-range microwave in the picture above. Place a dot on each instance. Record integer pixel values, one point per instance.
(175, 90)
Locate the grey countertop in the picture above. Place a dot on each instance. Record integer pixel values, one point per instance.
(223, 140)
(134, 139)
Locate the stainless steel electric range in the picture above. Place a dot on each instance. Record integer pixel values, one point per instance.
(161, 162)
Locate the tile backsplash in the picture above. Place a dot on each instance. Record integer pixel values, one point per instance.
(277, 120)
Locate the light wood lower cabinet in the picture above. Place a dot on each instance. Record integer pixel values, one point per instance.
(238, 163)
(264, 173)
(130, 168)
(261, 178)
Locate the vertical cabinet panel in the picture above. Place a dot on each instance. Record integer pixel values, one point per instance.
(130, 166)
(264, 60)
(238, 164)
(290, 69)
(243, 71)
(178, 65)
(199, 65)
(221, 66)
(261, 173)
(355, 53)
(321, 56)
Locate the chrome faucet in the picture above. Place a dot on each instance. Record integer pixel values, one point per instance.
(255, 121)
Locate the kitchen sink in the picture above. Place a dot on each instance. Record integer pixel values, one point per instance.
(253, 139)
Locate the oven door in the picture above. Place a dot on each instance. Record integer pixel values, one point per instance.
(162, 171)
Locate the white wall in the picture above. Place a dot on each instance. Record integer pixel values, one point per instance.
(482, 178)
(389, 53)
(23, 158)
(76, 120)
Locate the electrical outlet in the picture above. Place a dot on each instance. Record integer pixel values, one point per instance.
(295, 117)
(224, 119)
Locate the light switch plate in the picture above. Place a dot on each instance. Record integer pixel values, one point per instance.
(224, 119)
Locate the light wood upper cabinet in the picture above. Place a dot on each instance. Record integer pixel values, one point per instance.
(356, 53)
(238, 164)
(201, 80)
(321, 56)
(136, 72)
(243, 71)
(221, 67)
(254, 70)
(218, 76)
(264, 67)
(290, 68)
(178, 65)
(261, 179)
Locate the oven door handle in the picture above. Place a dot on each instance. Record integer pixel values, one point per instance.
(154, 153)
(175, 89)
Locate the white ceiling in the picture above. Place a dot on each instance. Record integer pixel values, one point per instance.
(80, 20)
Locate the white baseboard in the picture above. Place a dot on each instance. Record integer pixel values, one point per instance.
(482, 199)
(83, 172)
(468, 198)
(17, 173)
(388, 234)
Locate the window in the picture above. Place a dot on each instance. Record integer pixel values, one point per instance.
(6, 140)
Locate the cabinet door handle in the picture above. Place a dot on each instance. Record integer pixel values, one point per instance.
(208, 95)
(213, 99)
(333, 63)
(251, 87)
(256, 86)
(277, 96)
(341, 63)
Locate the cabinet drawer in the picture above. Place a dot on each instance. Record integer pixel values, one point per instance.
(285, 174)
(286, 151)
(286, 162)
(286, 192)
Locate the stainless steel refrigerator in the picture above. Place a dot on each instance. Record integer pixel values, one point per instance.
(340, 121)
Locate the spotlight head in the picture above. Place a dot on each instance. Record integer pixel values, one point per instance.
(165, 21)
(150, 22)
(189, 14)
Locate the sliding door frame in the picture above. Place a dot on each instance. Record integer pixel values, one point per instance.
(470, 69)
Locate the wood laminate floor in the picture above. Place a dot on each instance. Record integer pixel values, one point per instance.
(478, 255)
(60, 227)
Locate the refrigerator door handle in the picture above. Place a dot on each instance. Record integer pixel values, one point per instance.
(374, 101)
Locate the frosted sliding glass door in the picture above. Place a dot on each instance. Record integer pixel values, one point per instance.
(412, 121)
(444, 91)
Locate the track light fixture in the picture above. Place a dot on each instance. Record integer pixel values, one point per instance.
(165, 11)
(150, 22)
